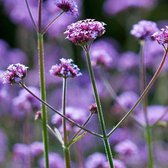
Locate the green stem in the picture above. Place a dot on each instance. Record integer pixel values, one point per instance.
(100, 112)
(67, 157)
(145, 103)
(43, 96)
(66, 149)
(143, 94)
(150, 145)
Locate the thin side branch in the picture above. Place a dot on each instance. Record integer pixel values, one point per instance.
(51, 22)
(143, 94)
(31, 16)
(52, 108)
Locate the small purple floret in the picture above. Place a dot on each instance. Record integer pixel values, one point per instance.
(68, 6)
(84, 31)
(65, 69)
(144, 29)
(161, 36)
(14, 73)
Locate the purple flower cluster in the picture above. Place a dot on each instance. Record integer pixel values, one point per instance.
(144, 29)
(66, 69)
(68, 6)
(161, 36)
(84, 31)
(14, 73)
(56, 30)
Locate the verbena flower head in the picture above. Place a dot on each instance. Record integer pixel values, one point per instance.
(84, 31)
(65, 69)
(14, 73)
(161, 36)
(144, 29)
(68, 6)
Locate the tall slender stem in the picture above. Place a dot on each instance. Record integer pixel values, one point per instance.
(145, 103)
(43, 97)
(100, 112)
(42, 83)
(66, 148)
(143, 94)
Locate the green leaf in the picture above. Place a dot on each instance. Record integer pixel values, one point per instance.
(58, 135)
(77, 138)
